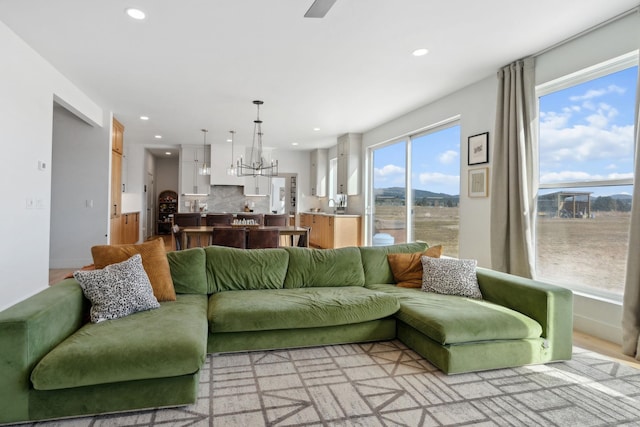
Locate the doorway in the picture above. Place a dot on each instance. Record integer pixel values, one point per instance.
(79, 189)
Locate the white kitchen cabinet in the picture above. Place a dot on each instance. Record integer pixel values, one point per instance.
(220, 162)
(257, 186)
(318, 172)
(349, 150)
(191, 159)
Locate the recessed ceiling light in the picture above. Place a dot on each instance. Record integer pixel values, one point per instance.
(158, 137)
(420, 52)
(144, 118)
(294, 143)
(136, 14)
(316, 129)
(168, 153)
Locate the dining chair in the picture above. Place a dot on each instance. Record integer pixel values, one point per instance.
(188, 219)
(260, 238)
(302, 240)
(235, 237)
(258, 218)
(177, 237)
(279, 220)
(219, 219)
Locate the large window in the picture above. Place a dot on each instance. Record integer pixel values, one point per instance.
(418, 177)
(586, 177)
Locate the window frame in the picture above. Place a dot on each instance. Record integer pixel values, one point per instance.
(584, 75)
(407, 138)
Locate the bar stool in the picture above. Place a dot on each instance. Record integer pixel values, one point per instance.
(219, 219)
(279, 220)
(190, 219)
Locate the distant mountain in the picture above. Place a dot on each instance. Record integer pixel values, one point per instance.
(621, 196)
(399, 192)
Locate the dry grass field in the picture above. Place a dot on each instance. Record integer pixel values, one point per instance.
(584, 252)
(592, 252)
(434, 225)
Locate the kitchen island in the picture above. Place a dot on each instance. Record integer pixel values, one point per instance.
(330, 230)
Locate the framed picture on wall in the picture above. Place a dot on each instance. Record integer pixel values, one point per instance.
(479, 182)
(478, 146)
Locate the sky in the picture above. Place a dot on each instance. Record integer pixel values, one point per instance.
(586, 131)
(435, 167)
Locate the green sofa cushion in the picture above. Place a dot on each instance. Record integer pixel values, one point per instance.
(166, 342)
(187, 271)
(324, 267)
(375, 264)
(449, 319)
(232, 269)
(241, 311)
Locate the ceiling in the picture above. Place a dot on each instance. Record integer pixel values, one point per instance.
(200, 63)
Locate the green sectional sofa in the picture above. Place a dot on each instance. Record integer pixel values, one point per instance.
(54, 363)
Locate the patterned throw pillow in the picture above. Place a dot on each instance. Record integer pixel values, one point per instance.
(117, 290)
(407, 267)
(450, 276)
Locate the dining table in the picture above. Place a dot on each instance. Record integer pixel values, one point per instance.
(207, 230)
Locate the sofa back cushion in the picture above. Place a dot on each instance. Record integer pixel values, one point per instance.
(232, 269)
(310, 268)
(188, 271)
(375, 264)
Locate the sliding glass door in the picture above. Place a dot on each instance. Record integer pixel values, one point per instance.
(415, 190)
(435, 182)
(389, 212)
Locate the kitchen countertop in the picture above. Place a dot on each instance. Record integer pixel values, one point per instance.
(332, 214)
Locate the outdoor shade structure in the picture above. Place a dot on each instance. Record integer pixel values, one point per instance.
(565, 204)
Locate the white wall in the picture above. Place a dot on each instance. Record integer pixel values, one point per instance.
(476, 105)
(28, 87)
(166, 175)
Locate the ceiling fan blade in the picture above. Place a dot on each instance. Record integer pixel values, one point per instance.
(319, 8)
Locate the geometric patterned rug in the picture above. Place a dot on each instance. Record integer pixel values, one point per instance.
(387, 384)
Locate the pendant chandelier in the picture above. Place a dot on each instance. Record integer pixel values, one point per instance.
(231, 170)
(205, 169)
(256, 165)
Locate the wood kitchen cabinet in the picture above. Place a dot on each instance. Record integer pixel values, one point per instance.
(130, 227)
(332, 231)
(115, 211)
(116, 168)
(125, 229)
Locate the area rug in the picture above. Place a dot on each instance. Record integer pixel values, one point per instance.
(387, 384)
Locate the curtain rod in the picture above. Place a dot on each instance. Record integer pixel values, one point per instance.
(589, 30)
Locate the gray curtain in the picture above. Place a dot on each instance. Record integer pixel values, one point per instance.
(631, 299)
(515, 171)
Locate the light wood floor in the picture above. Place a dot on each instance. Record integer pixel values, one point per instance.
(603, 347)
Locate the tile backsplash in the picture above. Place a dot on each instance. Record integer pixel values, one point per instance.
(226, 198)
